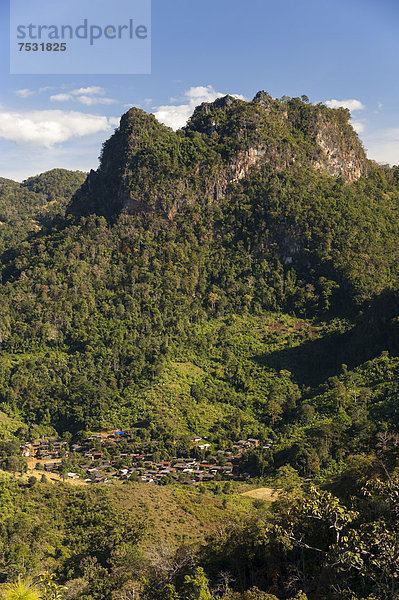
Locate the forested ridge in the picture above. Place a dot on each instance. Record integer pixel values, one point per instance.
(27, 207)
(234, 280)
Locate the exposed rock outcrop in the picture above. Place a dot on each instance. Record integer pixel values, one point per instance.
(145, 166)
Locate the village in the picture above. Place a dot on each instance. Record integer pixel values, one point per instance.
(116, 456)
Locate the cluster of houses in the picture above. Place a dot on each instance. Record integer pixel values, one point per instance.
(186, 470)
(44, 449)
(96, 465)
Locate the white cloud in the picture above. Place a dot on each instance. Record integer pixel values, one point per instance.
(176, 115)
(378, 109)
(352, 104)
(114, 121)
(88, 96)
(48, 127)
(60, 97)
(358, 126)
(24, 93)
(90, 100)
(46, 88)
(383, 146)
(89, 91)
(21, 163)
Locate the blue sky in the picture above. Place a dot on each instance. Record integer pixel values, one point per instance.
(343, 50)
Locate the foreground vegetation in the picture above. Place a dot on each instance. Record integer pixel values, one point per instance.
(102, 543)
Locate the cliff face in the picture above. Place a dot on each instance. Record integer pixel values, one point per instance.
(341, 155)
(145, 166)
(268, 131)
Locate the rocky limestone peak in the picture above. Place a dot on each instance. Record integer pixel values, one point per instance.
(263, 98)
(145, 166)
(206, 116)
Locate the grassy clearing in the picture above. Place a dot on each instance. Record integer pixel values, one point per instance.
(264, 493)
(177, 514)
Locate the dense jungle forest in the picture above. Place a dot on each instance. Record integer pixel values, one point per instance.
(234, 280)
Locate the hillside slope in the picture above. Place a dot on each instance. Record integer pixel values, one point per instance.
(95, 314)
(28, 206)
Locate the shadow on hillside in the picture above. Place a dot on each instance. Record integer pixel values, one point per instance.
(311, 363)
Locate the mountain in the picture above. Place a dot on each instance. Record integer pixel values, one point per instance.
(235, 279)
(181, 236)
(26, 207)
(286, 179)
(146, 166)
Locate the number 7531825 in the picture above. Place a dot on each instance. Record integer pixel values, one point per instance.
(42, 47)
